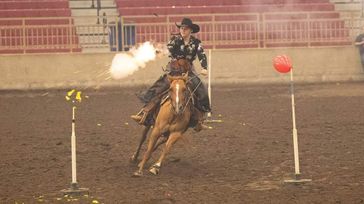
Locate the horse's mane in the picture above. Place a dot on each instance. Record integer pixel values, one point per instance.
(173, 78)
(180, 66)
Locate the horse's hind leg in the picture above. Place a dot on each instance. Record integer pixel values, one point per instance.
(161, 141)
(171, 140)
(135, 156)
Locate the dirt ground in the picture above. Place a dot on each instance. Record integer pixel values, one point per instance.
(245, 159)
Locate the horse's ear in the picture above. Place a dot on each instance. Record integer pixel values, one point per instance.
(185, 76)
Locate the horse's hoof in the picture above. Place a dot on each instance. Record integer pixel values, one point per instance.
(154, 171)
(137, 174)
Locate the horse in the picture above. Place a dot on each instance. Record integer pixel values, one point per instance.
(172, 121)
(176, 67)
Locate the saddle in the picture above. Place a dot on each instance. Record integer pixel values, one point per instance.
(148, 113)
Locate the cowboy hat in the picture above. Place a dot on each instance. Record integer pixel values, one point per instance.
(188, 23)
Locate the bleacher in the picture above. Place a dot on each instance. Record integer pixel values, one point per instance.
(37, 26)
(160, 7)
(325, 27)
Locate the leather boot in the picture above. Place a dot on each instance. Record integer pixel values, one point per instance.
(136, 118)
(149, 108)
(140, 116)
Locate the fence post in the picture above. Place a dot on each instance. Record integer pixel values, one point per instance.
(258, 29)
(168, 27)
(121, 19)
(351, 21)
(70, 34)
(213, 33)
(264, 31)
(308, 32)
(98, 8)
(24, 36)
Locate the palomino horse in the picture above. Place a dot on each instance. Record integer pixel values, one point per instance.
(172, 120)
(177, 67)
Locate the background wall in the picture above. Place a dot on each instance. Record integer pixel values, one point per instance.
(43, 71)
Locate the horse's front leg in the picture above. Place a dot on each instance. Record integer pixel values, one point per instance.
(171, 140)
(134, 157)
(151, 144)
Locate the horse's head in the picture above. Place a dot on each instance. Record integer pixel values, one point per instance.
(178, 92)
(180, 66)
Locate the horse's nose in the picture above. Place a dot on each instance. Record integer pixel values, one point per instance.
(179, 109)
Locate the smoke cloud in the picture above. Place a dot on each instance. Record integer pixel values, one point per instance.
(125, 64)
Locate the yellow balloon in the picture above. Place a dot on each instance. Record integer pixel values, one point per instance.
(70, 92)
(78, 96)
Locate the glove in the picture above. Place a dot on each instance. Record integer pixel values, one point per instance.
(204, 72)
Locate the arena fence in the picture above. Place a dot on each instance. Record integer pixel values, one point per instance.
(34, 34)
(251, 30)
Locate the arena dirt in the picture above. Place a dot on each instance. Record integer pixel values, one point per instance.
(245, 159)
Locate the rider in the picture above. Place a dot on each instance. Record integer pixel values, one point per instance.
(181, 46)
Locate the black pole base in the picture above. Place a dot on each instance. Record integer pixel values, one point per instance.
(74, 190)
(297, 180)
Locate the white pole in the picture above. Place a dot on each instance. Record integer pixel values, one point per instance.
(297, 178)
(73, 147)
(209, 81)
(74, 190)
(295, 137)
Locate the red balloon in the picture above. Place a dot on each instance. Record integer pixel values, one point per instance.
(282, 63)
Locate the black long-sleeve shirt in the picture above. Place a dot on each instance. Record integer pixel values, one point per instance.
(178, 49)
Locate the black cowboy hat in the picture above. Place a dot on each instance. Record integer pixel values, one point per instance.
(188, 22)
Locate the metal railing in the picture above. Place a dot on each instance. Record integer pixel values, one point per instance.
(217, 31)
(253, 30)
(27, 35)
(306, 31)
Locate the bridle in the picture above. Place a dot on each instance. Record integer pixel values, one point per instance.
(177, 98)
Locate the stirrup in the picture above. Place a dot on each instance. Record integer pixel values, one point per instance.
(140, 116)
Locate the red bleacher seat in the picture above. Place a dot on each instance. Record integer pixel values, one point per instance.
(125, 11)
(290, 13)
(185, 3)
(36, 26)
(10, 5)
(34, 13)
